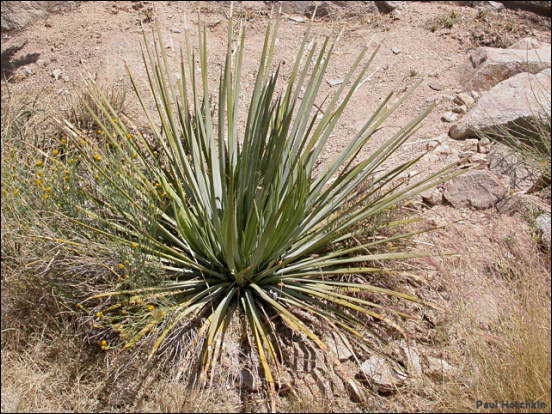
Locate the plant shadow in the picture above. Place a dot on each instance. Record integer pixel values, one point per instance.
(9, 65)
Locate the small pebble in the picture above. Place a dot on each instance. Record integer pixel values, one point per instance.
(449, 117)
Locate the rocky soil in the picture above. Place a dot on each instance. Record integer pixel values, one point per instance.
(478, 63)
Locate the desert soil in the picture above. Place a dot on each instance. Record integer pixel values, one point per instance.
(98, 37)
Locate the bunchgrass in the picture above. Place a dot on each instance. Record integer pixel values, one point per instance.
(162, 240)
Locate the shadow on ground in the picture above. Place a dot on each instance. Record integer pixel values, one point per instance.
(9, 65)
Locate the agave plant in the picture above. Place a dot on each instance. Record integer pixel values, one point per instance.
(237, 221)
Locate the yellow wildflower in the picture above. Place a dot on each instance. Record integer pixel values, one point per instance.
(63, 141)
(127, 276)
(96, 326)
(157, 185)
(96, 177)
(123, 312)
(100, 132)
(97, 157)
(38, 181)
(134, 245)
(46, 196)
(104, 342)
(39, 163)
(39, 173)
(59, 205)
(150, 307)
(99, 315)
(134, 155)
(55, 152)
(48, 189)
(121, 266)
(129, 136)
(66, 178)
(163, 194)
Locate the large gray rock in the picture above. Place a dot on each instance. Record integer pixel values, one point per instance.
(16, 15)
(388, 6)
(528, 43)
(476, 189)
(538, 7)
(490, 65)
(513, 102)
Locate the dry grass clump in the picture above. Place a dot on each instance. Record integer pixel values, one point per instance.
(498, 338)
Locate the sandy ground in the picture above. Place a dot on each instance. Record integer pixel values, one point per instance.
(97, 37)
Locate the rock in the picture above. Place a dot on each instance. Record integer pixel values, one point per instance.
(438, 368)
(339, 345)
(412, 359)
(474, 189)
(16, 15)
(462, 109)
(443, 149)
(476, 158)
(27, 70)
(379, 373)
(528, 43)
(484, 145)
(295, 7)
(474, 95)
(432, 197)
(387, 6)
(395, 15)
(396, 50)
(176, 30)
(435, 86)
(522, 204)
(297, 19)
(504, 161)
(543, 226)
(464, 99)
(510, 104)
(470, 144)
(335, 82)
(493, 65)
(249, 381)
(449, 117)
(56, 73)
(322, 10)
(490, 5)
(539, 7)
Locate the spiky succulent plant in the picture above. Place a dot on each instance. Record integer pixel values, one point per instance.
(236, 220)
